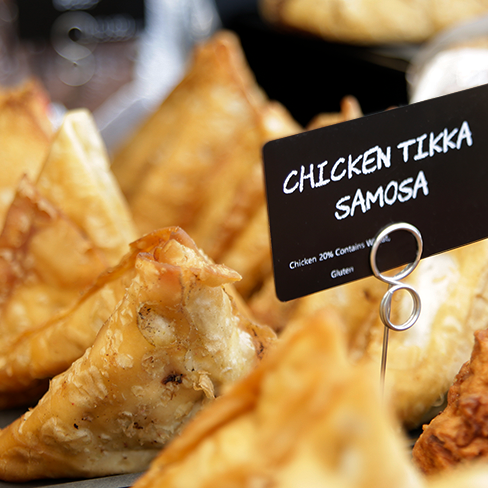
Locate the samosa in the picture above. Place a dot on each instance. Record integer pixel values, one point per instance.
(60, 233)
(174, 342)
(304, 417)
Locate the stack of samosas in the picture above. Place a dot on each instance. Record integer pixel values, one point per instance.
(123, 338)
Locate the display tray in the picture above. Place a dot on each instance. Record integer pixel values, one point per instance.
(119, 481)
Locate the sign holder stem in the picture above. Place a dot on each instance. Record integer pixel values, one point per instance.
(395, 285)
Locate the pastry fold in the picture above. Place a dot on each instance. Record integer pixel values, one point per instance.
(173, 343)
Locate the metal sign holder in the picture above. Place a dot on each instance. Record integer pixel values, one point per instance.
(395, 285)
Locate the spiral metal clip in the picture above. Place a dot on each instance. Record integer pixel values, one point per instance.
(394, 286)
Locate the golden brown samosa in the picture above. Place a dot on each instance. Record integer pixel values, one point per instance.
(46, 261)
(42, 351)
(59, 235)
(305, 417)
(172, 344)
(37, 346)
(197, 162)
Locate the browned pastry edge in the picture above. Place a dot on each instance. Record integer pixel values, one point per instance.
(460, 433)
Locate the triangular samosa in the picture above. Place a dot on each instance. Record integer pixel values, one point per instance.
(211, 126)
(59, 235)
(173, 343)
(45, 262)
(304, 417)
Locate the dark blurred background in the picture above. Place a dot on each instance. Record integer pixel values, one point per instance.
(310, 75)
(84, 56)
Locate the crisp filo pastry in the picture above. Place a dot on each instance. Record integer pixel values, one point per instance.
(172, 344)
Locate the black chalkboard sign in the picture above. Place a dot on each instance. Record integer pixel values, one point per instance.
(331, 190)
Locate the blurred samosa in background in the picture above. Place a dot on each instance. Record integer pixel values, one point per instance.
(197, 162)
(62, 230)
(26, 134)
